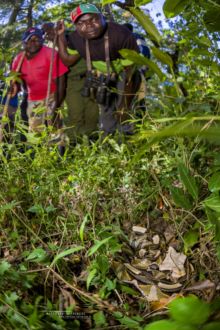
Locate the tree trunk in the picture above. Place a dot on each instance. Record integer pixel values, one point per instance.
(15, 11)
(30, 14)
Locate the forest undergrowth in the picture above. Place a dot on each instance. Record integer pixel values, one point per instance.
(112, 235)
(121, 232)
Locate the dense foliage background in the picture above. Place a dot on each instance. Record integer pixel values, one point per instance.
(85, 237)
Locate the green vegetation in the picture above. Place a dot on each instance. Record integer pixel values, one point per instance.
(85, 237)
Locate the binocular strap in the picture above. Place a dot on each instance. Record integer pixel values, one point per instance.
(107, 54)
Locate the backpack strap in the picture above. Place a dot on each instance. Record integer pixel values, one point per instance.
(107, 53)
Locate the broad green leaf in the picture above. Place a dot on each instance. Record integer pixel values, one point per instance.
(97, 245)
(128, 290)
(141, 60)
(50, 209)
(214, 182)
(100, 66)
(169, 325)
(141, 2)
(66, 253)
(138, 318)
(217, 230)
(82, 227)
(146, 23)
(190, 239)
(5, 120)
(182, 41)
(110, 285)
(72, 51)
(215, 304)
(211, 326)
(185, 128)
(212, 19)
(205, 62)
(8, 206)
(180, 199)
(172, 8)
(216, 69)
(133, 56)
(99, 319)
(162, 325)
(90, 277)
(117, 315)
(200, 51)
(213, 202)
(213, 218)
(32, 138)
(4, 267)
(38, 209)
(204, 41)
(129, 322)
(126, 62)
(103, 264)
(155, 68)
(189, 310)
(16, 76)
(11, 297)
(116, 65)
(188, 180)
(106, 2)
(37, 255)
(161, 56)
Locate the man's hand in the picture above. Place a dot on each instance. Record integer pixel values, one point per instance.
(60, 28)
(66, 58)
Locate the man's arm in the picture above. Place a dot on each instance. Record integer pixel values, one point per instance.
(60, 92)
(66, 58)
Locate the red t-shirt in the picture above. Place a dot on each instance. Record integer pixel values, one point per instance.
(35, 72)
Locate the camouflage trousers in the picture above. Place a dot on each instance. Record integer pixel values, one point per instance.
(39, 114)
(116, 115)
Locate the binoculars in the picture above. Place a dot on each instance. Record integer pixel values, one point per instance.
(100, 85)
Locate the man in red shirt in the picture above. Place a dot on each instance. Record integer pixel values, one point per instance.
(43, 73)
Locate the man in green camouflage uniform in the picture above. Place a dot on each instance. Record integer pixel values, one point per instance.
(82, 112)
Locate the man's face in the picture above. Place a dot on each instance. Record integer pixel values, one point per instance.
(90, 26)
(33, 45)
